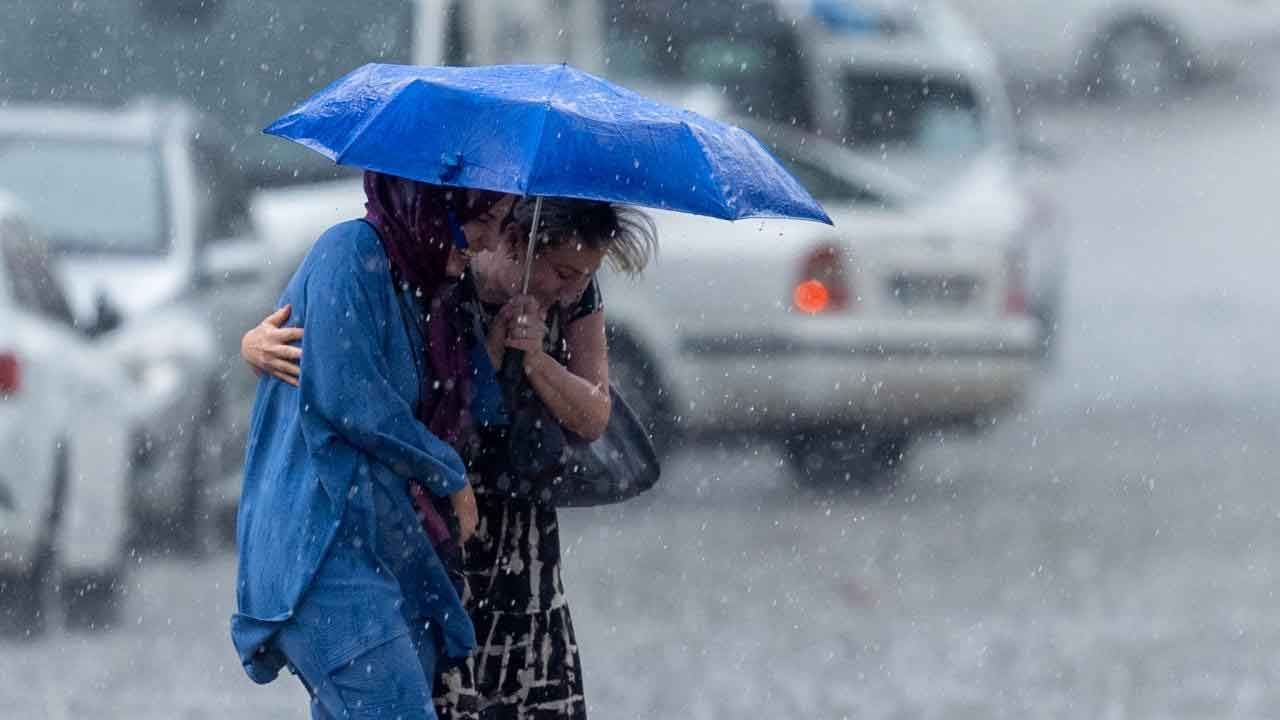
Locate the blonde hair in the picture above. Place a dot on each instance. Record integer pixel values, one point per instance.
(628, 236)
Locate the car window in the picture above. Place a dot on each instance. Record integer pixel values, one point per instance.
(33, 285)
(88, 196)
(824, 183)
(922, 126)
(828, 187)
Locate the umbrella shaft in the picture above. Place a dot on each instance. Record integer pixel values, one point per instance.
(533, 235)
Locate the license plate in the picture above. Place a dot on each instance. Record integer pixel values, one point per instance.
(942, 291)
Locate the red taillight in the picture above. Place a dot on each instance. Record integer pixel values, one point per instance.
(10, 374)
(1015, 299)
(823, 285)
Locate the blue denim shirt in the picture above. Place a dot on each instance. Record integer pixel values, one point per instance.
(315, 451)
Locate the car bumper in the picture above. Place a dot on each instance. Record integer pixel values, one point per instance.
(879, 386)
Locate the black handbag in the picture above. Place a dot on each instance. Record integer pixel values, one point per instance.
(535, 458)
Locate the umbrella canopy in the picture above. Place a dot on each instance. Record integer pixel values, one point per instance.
(544, 130)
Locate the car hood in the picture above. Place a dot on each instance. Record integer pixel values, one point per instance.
(133, 285)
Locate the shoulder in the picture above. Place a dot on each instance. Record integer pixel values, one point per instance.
(348, 253)
(354, 241)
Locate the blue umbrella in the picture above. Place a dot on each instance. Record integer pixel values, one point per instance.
(544, 130)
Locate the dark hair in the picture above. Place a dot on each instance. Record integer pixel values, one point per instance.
(628, 236)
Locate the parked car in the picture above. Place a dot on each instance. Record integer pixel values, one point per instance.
(908, 85)
(847, 342)
(66, 409)
(148, 217)
(1125, 48)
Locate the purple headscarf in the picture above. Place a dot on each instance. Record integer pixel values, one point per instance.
(413, 223)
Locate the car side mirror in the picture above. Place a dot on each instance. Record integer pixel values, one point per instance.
(107, 317)
(236, 260)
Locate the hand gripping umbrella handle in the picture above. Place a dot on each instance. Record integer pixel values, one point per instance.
(513, 360)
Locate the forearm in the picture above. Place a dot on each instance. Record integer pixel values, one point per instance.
(579, 405)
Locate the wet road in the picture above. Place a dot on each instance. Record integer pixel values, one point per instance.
(1107, 553)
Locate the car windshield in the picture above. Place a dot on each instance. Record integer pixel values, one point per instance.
(923, 128)
(88, 196)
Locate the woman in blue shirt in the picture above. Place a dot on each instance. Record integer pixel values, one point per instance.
(337, 578)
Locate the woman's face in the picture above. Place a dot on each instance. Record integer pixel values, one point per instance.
(482, 233)
(560, 274)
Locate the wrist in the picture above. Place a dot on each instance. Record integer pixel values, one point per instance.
(536, 363)
(496, 352)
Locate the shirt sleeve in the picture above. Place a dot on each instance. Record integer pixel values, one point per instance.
(345, 381)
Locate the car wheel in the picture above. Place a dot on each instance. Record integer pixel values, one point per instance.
(92, 601)
(1139, 60)
(186, 532)
(24, 606)
(847, 457)
(633, 374)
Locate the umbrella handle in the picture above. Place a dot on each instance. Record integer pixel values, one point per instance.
(512, 373)
(511, 376)
(533, 234)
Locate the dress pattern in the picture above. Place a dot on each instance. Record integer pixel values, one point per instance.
(526, 665)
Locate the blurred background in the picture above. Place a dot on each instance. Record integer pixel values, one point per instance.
(998, 444)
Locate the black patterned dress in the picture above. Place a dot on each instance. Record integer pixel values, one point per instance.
(526, 662)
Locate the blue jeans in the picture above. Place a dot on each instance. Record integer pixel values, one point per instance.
(388, 682)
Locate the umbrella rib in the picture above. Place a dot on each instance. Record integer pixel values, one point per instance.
(542, 131)
(711, 173)
(364, 125)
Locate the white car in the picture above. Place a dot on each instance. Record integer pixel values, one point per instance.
(160, 258)
(65, 420)
(848, 341)
(1125, 47)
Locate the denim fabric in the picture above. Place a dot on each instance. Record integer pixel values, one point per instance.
(385, 682)
(315, 455)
